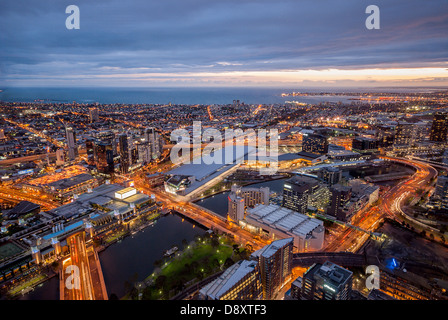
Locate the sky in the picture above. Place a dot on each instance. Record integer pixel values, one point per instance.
(225, 43)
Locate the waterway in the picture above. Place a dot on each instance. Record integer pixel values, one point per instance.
(132, 259)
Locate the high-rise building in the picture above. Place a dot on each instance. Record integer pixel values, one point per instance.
(143, 151)
(404, 134)
(108, 137)
(303, 191)
(340, 195)
(439, 127)
(124, 153)
(152, 137)
(94, 115)
(90, 149)
(315, 143)
(326, 281)
(104, 157)
(275, 261)
(331, 175)
(240, 198)
(71, 143)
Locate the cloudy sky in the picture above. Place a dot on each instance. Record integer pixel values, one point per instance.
(149, 43)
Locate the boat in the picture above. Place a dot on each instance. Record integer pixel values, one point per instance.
(171, 251)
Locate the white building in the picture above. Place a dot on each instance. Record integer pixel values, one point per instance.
(277, 222)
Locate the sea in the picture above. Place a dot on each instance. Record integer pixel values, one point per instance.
(187, 96)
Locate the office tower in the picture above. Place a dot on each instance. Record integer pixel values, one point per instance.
(302, 191)
(90, 149)
(330, 175)
(134, 156)
(104, 157)
(94, 115)
(71, 143)
(340, 195)
(364, 145)
(315, 143)
(404, 134)
(439, 127)
(241, 281)
(109, 138)
(143, 151)
(385, 136)
(124, 153)
(152, 137)
(326, 281)
(275, 261)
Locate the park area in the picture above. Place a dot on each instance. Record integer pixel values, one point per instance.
(198, 260)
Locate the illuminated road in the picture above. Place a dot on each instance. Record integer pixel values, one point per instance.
(90, 284)
(16, 195)
(392, 202)
(203, 217)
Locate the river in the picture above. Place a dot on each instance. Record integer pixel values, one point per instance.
(131, 259)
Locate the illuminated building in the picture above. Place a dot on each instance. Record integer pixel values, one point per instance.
(330, 175)
(340, 195)
(404, 134)
(90, 149)
(124, 153)
(326, 281)
(152, 137)
(93, 115)
(364, 145)
(275, 222)
(71, 143)
(439, 199)
(315, 143)
(104, 158)
(275, 261)
(439, 127)
(241, 281)
(240, 198)
(303, 191)
(60, 157)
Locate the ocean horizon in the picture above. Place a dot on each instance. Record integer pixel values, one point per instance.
(180, 95)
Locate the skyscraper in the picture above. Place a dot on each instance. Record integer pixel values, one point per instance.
(326, 281)
(152, 137)
(71, 143)
(439, 128)
(124, 153)
(104, 157)
(93, 115)
(275, 261)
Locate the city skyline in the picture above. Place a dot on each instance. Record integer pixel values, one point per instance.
(215, 43)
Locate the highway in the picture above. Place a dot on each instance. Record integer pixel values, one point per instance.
(392, 202)
(86, 282)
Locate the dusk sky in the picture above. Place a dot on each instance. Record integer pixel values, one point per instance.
(281, 43)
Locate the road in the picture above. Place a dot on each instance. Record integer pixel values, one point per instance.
(203, 216)
(16, 195)
(86, 279)
(392, 202)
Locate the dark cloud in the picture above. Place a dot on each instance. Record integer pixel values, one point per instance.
(144, 36)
